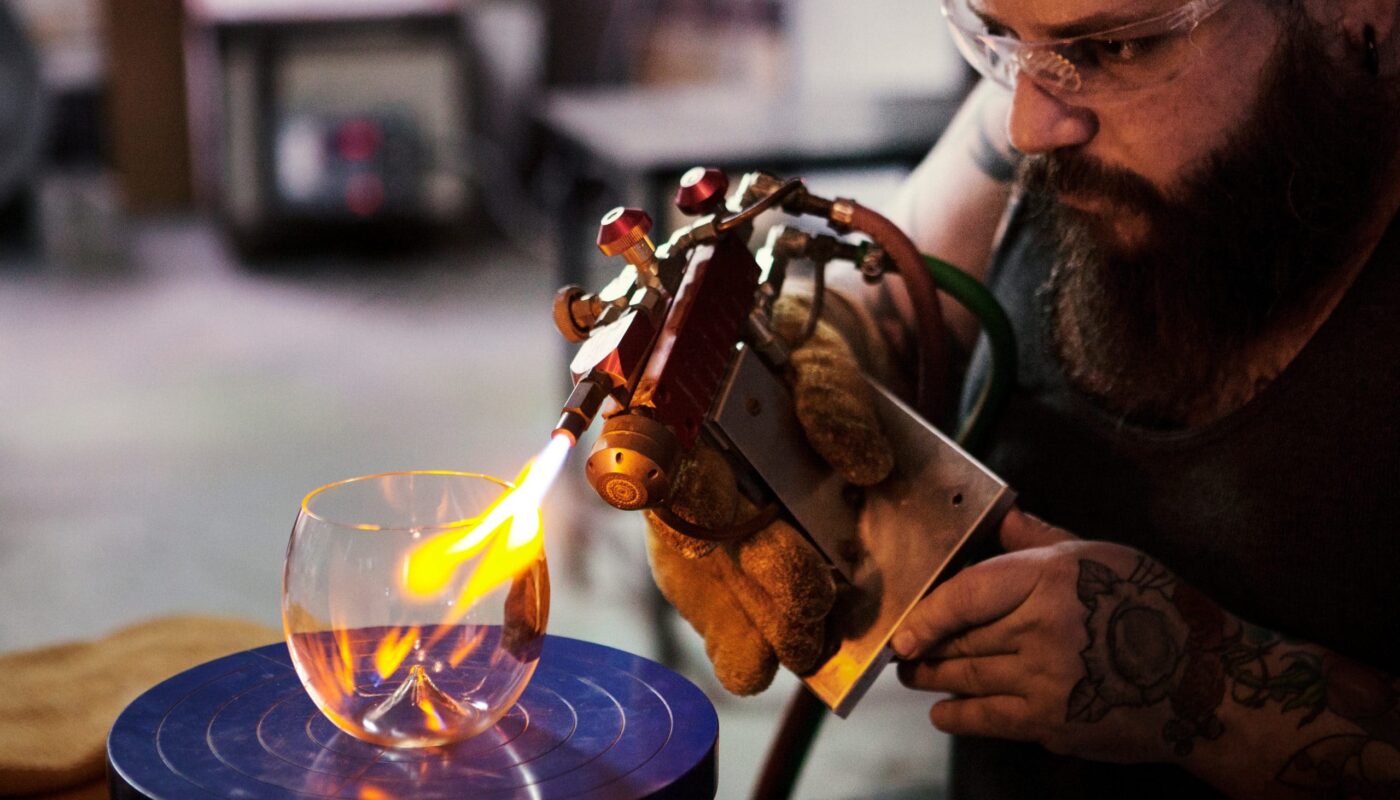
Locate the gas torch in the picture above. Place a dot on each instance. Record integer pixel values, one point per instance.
(680, 346)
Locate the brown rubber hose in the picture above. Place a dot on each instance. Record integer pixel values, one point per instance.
(932, 375)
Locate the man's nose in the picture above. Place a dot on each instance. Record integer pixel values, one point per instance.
(1040, 122)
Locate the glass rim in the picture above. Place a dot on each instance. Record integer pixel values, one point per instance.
(365, 526)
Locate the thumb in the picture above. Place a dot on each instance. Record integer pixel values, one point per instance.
(1021, 531)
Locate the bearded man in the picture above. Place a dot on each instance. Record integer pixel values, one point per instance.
(1189, 212)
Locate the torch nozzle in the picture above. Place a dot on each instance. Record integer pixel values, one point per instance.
(583, 404)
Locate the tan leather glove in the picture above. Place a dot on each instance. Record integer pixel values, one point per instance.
(763, 600)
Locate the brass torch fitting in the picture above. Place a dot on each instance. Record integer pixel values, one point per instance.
(632, 462)
(843, 212)
(576, 312)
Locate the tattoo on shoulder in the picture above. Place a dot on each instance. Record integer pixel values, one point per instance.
(1153, 638)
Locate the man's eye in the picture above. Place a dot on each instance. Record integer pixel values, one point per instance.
(1122, 51)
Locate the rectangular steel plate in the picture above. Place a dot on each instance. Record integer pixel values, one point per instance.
(909, 530)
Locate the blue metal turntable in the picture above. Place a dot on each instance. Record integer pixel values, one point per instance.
(593, 723)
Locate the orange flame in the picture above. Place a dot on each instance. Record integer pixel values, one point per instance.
(466, 646)
(344, 665)
(430, 713)
(508, 533)
(393, 649)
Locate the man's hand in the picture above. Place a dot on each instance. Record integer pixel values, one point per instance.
(1060, 641)
(1095, 650)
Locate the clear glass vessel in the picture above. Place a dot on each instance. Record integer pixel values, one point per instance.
(391, 656)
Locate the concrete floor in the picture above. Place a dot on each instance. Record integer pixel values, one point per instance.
(159, 425)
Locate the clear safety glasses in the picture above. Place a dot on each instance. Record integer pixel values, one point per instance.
(1120, 59)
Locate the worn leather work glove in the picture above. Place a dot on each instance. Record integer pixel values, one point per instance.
(763, 600)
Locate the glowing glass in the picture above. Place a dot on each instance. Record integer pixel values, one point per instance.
(1119, 59)
(408, 657)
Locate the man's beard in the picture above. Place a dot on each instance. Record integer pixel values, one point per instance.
(1155, 328)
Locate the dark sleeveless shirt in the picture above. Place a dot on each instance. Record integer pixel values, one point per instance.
(1285, 511)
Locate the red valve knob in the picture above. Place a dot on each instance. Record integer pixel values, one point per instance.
(621, 229)
(701, 191)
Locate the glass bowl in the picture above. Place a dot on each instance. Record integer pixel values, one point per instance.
(409, 624)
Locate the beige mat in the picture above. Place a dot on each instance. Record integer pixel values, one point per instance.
(61, 700)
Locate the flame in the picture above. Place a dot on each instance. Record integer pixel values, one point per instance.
(508, 533)
(393, 649)
(431, 715)
(466, 646)
(344, 665)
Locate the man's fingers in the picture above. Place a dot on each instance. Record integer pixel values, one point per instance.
(998, 716)
(1021, 531)
(998, 639)
(978, 595)
(975, 677)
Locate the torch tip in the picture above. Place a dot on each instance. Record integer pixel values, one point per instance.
(569, 427)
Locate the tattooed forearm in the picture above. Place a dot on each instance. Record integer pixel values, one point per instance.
(1365, 763)
(1153, 638)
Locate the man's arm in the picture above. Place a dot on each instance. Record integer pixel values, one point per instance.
(952, 204)
(1095, 650)
(1294, 719)
(951, 207)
